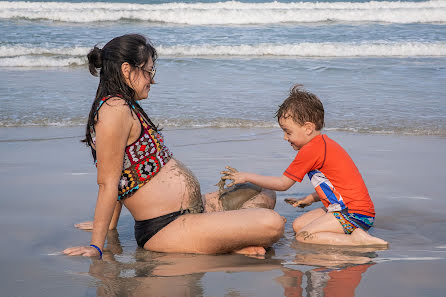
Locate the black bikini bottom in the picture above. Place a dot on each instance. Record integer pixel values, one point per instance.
(144, 230)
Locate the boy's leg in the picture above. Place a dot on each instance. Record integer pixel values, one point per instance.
(327, 230)
(307, 218)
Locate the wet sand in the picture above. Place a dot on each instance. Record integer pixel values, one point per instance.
(49, 183)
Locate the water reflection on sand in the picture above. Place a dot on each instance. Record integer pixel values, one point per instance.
(313, 271)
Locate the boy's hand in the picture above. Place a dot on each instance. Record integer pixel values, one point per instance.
(234, 175)
(303, 202)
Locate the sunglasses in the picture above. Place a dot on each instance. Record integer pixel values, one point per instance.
(148, 73)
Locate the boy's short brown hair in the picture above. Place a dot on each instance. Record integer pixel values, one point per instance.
(302, 107)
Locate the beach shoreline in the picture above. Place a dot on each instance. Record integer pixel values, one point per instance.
(49, 184)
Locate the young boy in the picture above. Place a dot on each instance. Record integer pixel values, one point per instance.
(348, 211)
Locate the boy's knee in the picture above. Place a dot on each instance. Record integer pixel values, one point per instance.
(297, 225)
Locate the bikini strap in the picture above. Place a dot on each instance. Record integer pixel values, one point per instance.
(141, 119)
(105, 99)
(92, 133)
(138, 114)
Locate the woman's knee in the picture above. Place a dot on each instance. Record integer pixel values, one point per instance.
(273, 223)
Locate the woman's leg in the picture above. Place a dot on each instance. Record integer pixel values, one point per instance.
(327, 230)
(265, 199)
(218, 232)
(239, 199)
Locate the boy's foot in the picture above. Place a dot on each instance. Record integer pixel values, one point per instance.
(251, 250)
(361, 237)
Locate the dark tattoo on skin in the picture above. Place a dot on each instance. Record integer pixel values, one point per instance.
(192, 200)
(305, 235)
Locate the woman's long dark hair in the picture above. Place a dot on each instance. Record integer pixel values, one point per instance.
(134, 49)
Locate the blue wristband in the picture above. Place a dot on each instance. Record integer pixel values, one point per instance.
(99, 250)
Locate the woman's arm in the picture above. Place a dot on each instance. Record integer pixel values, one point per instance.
(275, 183)
(115, 217)
(112, 132)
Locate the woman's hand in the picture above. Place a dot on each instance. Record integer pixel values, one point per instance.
(234, 175)
(86, 251)
(88, 225)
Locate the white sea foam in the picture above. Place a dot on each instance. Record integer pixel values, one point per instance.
(231, 12)
(381, 260)
(28, 49)
(217, 123)
(29, 56)
(181, 122)
(411, 197)
(306, 49)
(40, 61)
(221, 122)
(42, 121)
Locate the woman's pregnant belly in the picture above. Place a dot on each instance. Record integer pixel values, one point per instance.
(172, 189)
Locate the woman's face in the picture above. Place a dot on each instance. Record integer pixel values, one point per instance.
(141, 79)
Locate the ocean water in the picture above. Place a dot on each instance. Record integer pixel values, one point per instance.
(379, 67)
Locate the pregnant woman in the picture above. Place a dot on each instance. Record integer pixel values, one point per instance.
(136, 168)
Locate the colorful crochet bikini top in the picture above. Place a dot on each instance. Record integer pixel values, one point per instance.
(143, 159)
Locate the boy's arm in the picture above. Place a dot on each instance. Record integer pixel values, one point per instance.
(304, 201)
(275, 183)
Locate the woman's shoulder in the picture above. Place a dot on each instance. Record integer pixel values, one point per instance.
(114, 101)
(114, 105)
(115, 109)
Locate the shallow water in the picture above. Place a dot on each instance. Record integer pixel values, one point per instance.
(381, 96)
(36, 222)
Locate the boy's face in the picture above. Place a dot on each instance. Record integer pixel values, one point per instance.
(296, 134)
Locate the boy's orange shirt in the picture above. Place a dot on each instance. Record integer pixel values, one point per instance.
(327, 156)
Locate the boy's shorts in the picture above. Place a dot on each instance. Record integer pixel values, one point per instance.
(351, 221)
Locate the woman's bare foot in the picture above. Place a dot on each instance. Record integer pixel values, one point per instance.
(84, 225)
(251, 250)
(361, 237)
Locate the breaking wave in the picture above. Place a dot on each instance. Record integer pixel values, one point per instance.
(30, 56)
(230, 12)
